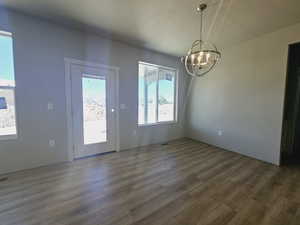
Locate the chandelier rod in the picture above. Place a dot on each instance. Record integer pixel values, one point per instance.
(201, 25)
(200, 9)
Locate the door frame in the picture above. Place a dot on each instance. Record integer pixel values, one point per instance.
(70, 138)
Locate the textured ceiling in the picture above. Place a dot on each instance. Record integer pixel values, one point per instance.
(168, 26)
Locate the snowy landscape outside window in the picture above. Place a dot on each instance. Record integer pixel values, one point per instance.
(8, 128)
(157, 94)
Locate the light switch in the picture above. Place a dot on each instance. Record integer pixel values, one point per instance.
(123, 106)
(52, 143)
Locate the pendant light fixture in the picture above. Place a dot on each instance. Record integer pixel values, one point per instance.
(202, 56)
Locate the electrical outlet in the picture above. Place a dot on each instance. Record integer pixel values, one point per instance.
(134, 133)
(50, 106)
(52, 143)
(220, 132)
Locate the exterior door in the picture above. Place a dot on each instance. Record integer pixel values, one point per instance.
(93, 110)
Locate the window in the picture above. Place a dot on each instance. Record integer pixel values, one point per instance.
(94, 109)
(157, 94)
(8, 128)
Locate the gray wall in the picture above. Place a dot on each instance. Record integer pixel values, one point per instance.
(243, 97)
(39, 51)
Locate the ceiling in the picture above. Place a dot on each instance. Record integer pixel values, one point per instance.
(168, 26)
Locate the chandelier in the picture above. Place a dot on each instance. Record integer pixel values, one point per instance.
(202, 56)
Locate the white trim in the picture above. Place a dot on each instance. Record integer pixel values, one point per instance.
(7, 87)
(91, 64)
(157, 95)
(117, 110)
(158, 66)
(68, 63)
(8, 137)
(5, 33)
(69, 112)
(158, 123)
(176, 100)
(93, 76)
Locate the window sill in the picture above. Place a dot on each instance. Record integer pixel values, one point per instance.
(157, 124)
(8, 137)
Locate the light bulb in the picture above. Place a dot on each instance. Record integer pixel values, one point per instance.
(192, 59)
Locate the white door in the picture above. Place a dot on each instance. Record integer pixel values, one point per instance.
(93, 109)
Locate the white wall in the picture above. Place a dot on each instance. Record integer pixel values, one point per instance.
(244, 97)
(39, 50)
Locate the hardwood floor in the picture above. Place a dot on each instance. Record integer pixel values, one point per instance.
(183, 183)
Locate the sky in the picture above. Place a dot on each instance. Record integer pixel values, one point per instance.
(6, 58)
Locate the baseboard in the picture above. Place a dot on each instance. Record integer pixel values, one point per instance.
(231, 150)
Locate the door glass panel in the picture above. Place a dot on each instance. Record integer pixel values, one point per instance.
(94, 110)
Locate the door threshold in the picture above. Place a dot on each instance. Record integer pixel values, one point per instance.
(93, 156)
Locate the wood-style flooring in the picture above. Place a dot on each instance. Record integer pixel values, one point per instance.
(183, 183)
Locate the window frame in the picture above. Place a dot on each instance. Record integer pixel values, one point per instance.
(8, 87)
(176, 88)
